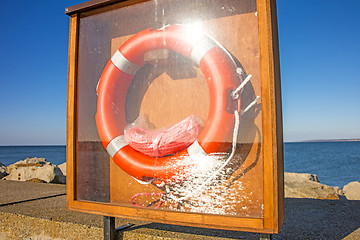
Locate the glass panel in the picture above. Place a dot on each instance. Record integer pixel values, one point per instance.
(171, 89)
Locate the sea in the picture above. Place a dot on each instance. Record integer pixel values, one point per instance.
(335, 163)
(12, 154)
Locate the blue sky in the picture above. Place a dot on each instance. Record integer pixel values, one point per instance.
(319, 54)
(320, 61)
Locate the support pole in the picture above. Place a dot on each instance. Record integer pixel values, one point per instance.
(109, 228)
(265, 236)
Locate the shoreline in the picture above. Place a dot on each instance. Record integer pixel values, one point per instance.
(333, 165)
(296, 185)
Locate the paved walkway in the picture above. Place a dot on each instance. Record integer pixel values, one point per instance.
(25, 203)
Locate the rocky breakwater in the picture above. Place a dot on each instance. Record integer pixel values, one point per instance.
(33, 169)
(297, 185)
(305, 185)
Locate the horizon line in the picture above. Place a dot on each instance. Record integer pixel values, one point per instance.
(294, 141)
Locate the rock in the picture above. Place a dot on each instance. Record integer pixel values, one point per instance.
(63, 168)
(304, 185)
(35, 168)
(2, 170)
(301, 176)
(339, 191)
(352, 191)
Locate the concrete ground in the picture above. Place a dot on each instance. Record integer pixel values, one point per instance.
(38, 211)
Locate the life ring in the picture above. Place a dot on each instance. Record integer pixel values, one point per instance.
(218, 68)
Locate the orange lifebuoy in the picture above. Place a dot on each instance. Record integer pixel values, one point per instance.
(220, 72)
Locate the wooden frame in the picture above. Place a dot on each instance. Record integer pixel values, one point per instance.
(272, 143)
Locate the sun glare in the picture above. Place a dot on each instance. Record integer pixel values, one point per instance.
(194, 31)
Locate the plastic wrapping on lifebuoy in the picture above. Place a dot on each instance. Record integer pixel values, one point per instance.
(165, 141)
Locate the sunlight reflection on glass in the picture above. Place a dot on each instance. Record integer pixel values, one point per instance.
(194, 31)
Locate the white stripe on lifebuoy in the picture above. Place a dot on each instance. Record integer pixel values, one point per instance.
(116, 144)
(201, 48)
(196, 152)
(123, 64)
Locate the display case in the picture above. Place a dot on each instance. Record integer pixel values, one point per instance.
(174, 113)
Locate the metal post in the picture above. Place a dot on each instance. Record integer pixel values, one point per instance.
(109, 228)
(265, 236)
